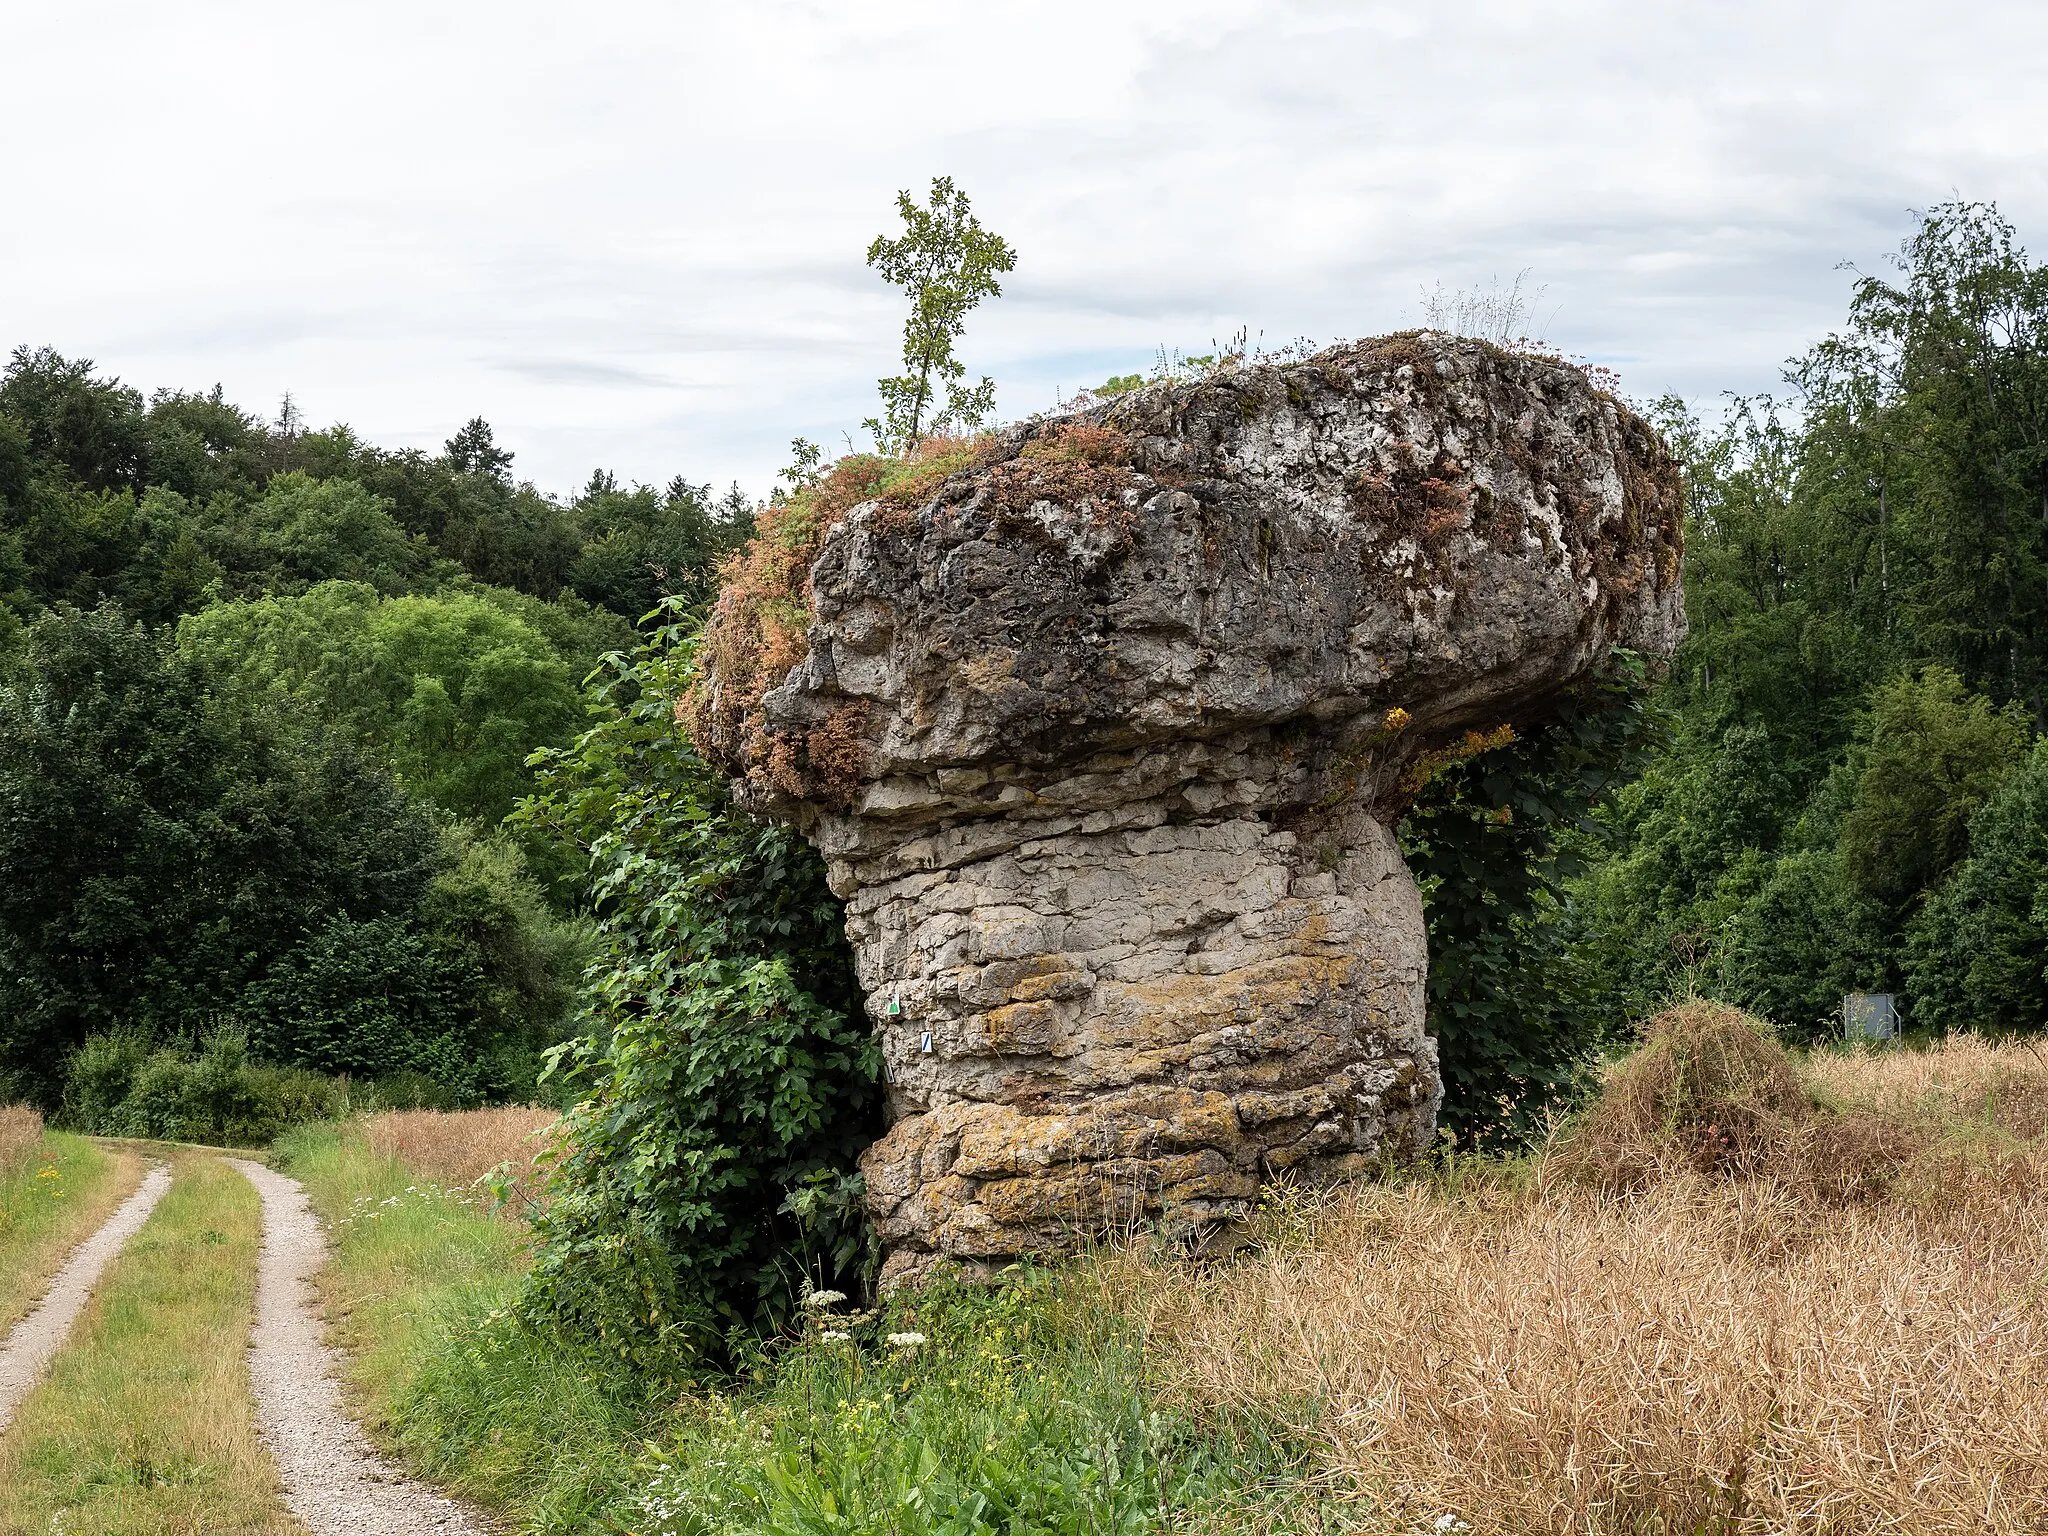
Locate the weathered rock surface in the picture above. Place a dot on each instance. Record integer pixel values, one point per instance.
(1102, 742)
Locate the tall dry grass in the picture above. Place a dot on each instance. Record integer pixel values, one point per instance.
(458, 1147)
(21, 1133)
(1706, 1340)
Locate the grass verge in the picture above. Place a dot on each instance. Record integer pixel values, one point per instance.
(57, 1191)
(1027, 1408)
(144, 1426)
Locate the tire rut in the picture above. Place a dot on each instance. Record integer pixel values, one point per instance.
(333, 1480)
(36, 1339)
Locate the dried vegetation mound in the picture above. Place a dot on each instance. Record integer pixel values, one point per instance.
(1712, 1091)
(1710, 1087)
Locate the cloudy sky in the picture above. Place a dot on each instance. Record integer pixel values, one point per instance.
(631, 234)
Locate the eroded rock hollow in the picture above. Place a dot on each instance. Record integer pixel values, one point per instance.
(1102, 732)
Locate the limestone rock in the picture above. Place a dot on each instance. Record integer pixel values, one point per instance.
(1102, 738)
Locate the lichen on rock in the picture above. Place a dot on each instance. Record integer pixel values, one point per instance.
(1102, 725)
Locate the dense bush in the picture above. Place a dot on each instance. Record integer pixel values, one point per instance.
(466, 991)
(120, 1084)
(732, 1081)
(1977, 955)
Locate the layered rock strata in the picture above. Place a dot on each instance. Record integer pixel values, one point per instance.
(1102, 738)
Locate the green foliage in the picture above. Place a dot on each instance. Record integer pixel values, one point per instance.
(161, 849)
(1492, 841)
(1936, 753)
(453, 691)
(465, 991)
(730, 1076)
(166, 506)
(303, 531)
(642, 545)
(1803, 939)
(179, 858)
(947, 263)
(1026, 1408)
(1977, 956)
(93, 427)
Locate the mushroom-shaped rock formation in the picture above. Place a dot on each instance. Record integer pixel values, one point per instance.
(1101, 725)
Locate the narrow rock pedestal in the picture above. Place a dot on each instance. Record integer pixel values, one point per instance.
(1104, 738)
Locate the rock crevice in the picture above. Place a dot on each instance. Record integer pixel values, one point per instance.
(1103, 740)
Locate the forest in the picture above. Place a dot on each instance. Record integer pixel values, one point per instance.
(269, 698)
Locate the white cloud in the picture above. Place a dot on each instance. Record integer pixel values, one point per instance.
(631, 234)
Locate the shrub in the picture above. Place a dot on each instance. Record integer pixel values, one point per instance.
(463, 993)
(1803, 940)
(1936, 753)
(1977, 954)
(1492, 835)
(122, 1086)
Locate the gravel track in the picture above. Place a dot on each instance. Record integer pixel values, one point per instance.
(333, 1480)
(38, 1337)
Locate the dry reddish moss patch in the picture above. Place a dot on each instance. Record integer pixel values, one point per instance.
(758, 632)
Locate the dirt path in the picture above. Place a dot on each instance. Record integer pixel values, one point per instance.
(38, 1337)
(333, 1480)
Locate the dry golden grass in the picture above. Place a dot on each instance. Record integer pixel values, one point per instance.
(21, 1134)
(1964, 1077)
(1717, 1341)
(457, 1147)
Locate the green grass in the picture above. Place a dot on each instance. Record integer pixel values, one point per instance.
(1026, 1409)
(48, 1206)
(144, 1426)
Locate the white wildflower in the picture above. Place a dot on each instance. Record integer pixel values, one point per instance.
(905, 1340)
(835, 1334)
(819, 1300)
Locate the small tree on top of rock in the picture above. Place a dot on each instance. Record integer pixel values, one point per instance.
(947, 263)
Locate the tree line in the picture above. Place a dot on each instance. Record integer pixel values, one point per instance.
(267, 697)
(1854, 793)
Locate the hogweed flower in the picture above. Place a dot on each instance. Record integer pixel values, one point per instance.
(820, 1300)
(905, 1340)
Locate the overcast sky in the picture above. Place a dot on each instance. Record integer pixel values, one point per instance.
(632, 235)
